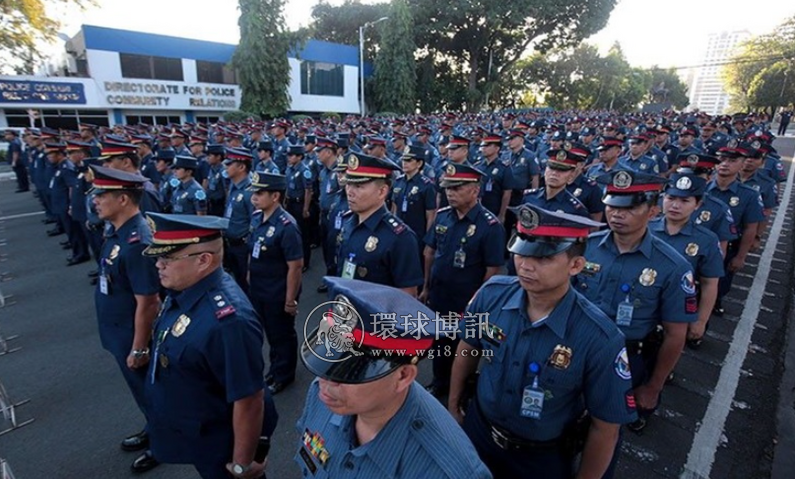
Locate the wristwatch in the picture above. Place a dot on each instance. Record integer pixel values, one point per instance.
(240, 469)
(139, 353)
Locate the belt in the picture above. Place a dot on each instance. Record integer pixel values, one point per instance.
(510, 442)
(294, 200)
(236, 241)
(634, 347)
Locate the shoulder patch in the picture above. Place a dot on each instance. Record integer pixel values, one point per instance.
(490, 218)
(285, 219)
(223, 307)
(530, 191)
(397, 225)
(200, 195)
(134, 237)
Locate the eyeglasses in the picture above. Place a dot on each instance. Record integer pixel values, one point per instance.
(170, 259)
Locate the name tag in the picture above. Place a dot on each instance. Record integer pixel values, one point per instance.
(338, 222)
(624, 313)
(103, 285)
(348, 269)
(256, 250)
(532, 402)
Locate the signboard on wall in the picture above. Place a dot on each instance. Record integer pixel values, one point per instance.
(41, 92)
(176, 95)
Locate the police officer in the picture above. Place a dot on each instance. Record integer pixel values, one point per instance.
(177, 139)
(275, 262)
(265, 162)
(164, 159)
(77, 151)
(16, 157)
(414, 194)
(126, 296)
(59, 190)
(238, 211)
(636, 158)
(144, 151)
(336, 216)
(463, 249)
(609, 152)
(298, 199)
(373, 244)
(554, 196)
(123, 156)
(188, 197)
(197, 150)
(752, 175)
(585, 189)
(280, 144)
(209, 406)
(746, 209)
(366, 416)
(328, 186)
(216, 179)
(640, 282)
(550, 356)
(524, 166)
(496, 189)
(695, 243)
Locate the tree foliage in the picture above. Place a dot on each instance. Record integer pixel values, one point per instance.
(261, 57)
(25, 24)
(340, 24)
(761, 75)
(395, 70)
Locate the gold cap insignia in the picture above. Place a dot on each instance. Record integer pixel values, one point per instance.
(622, 180)
(255, 178)
(151, 223)
(684, 183)
(561, 155)
(692, 159)
(528, 218)
(450, 170)
(353, 162)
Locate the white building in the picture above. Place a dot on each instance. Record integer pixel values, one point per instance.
(125, 77)
(706, 92)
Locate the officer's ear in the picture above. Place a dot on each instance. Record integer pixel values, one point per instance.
(576, 265)
(405, 376)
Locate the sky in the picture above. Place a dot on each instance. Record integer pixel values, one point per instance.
(669, 33)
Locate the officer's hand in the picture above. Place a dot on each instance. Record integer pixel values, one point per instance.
(457, 413)
(756, 246)
(736, 264)
(423, 297)
(256, 470)
(696, 330)
(646, 397)
(134, 362)
(291, 308)
(306, 213)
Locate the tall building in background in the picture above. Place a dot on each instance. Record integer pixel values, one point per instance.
(706, 91)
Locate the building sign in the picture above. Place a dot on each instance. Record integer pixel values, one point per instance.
(39, 92)
(171, 95)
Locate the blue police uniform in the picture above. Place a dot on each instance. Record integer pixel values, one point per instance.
(643, 164)
(59, 195)
(339, 207)
(328, 187)
(407, 447)
(716, 216)
(187, 198)
(77, 203)
(774, 168)
(124, 273)
(564, 201)
(299, 180)
(766, 187)
(216, 190)
(280, 149)
(575, 355)
(413, 198)
(660, 157)
(696, 244)
(498, 179)
(588, 193)
(149, 170)
(600, 168)
(275, 241)
(382, 250)
(524, 166)
(671, 152)
(238, 211)
(267, 166)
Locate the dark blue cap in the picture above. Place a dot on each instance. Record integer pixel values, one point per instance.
(541, 233)
(215, 149)
(110, 179)
(173, 232)
(298, 150)
(187, 162)
(363, 168)
(457, 174)
(416, 152)
(310, 139)
(685, 183)
(265, 145)
(238, 154)
(165, 154)
(344, 344)
(626, 188)
(265, 181)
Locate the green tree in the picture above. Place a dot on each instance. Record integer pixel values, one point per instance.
(395, 69)
(675, 90)
(261, 57)
(773, 87)
(26, 24)
(340, 24)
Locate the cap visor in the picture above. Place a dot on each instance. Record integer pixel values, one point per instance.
(454, 183)
(359, 179)
(344, 367)
(155, 250)
(622, 201)
(560, 166)
(537, 249)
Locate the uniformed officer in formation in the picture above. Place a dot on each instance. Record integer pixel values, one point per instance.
(752, 175)
(276, 259)
(336, 216)
(641, 283)
(636, 158)
(298, 197)
(414, 194)
(265, 161)
(187, 197)
(585, 189)
(238, 210)
(127, 294)
(77, 152)
(208, 405)
(215, 182)
(696, 243)
(374, 245)
(549, 356)
(463, 249)
(609, 152)
(366, 416)
(58, 190)
(554, 196)
(496, 191)
(328, 187)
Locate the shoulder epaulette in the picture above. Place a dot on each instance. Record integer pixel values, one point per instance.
(223, 307)
(530, 191)
(490, 218)
(397, 225)
(446, 208)
(134, 237)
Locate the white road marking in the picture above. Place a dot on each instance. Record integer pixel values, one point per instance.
(22, 215)
(708, 436)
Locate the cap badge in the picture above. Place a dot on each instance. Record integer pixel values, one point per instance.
(561, 155)
(567, 145)
(371, 244)
(732, 143)
(622, 180)
(561, 357)
(528, 218)
(450, 170)
(692, 249)
(692, 159)
(756, 144)
(684, 183)
(255, 178)
(353, 162)
(647, 277)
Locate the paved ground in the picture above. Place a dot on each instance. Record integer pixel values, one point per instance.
(718, 418)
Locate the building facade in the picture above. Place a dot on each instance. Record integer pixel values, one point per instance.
(706, 90)
(124, 77)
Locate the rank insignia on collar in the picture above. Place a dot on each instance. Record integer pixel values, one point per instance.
(316, 445)
(561, 357)
(591, 269)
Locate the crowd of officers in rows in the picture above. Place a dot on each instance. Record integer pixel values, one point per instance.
(582, 333)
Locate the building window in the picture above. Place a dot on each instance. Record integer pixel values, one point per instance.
(152, 119)
(148, 67)
(325, 79)
(208, 119)
(58, 119)
(215, 72)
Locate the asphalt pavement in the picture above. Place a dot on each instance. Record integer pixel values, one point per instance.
(718, 418)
